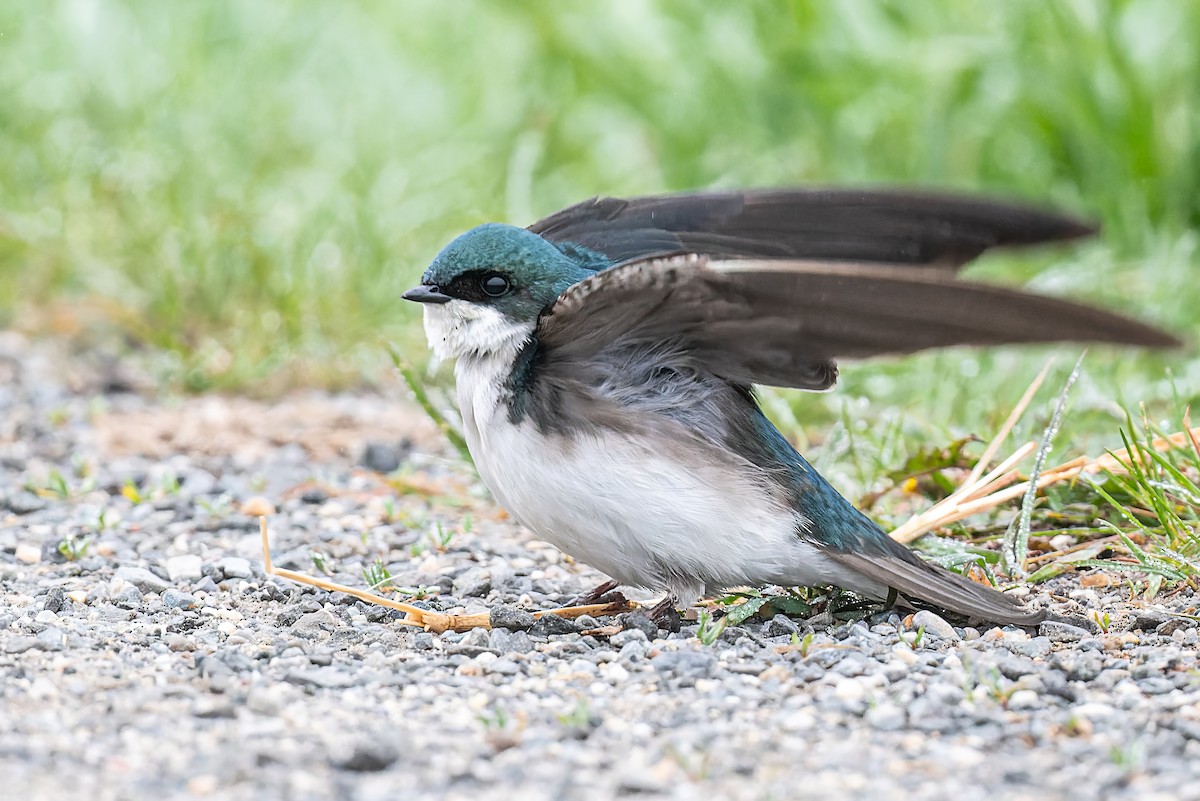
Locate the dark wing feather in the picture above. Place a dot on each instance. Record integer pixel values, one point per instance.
(917, 580)
(896, 226)
(783, 323)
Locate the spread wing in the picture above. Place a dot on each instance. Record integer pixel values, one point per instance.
(895, 227)
(783, 323)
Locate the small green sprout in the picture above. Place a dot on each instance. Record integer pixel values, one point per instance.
(377, 576)
(709, 630)
(74, 548)
(440, 537)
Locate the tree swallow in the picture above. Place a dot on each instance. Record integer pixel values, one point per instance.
(606, 357)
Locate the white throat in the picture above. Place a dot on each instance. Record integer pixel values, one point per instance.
(467, 331)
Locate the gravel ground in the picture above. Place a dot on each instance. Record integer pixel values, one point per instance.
(162, 663)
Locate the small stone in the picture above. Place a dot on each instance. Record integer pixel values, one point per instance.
(174, 599)
(314, 496)
(473, 583)
(1080, 667)
(1149, 619)
(1014, 667)
(28, 553)
(502, 667)
(1024, 700)
(257, 506)
(1156, 686)
(19, 645)
(1061, 632)
(624, 636)
(368, 757)
(178, 642)
(1034, 647)
(54, 600)
(235, 567)
(142, 578)
(1171, 626)
(130, 597)
(510, 642)
(381, 457)
(639, 621)
(184, 568)
(689, 664)
(78, 597)
(780, 626)
(548, 625)
(328, 678)
(24, 503)
(850, 667)
(934, 626)
(475, 638)
(205, 584)
(886, 717)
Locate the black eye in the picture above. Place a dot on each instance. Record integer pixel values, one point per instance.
(494, 285)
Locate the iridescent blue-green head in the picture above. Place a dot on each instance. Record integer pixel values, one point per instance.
(487, 288)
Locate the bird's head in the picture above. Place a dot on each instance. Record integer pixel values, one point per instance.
(483, 293)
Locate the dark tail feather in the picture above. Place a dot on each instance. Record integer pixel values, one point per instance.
(917, 580)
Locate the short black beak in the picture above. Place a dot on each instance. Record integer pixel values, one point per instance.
(426, 294)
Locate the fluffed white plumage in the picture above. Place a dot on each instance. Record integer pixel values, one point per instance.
(687, 520)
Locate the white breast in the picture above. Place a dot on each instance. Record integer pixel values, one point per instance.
(675, 514)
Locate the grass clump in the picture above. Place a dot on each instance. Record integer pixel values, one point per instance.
(196, 180)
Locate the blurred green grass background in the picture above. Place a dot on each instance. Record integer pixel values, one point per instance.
(246, 188)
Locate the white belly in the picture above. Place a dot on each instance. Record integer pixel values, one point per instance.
(687, 519)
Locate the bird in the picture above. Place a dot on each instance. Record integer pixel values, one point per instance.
(605, 359)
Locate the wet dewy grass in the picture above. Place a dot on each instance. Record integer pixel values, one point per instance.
(197, 182)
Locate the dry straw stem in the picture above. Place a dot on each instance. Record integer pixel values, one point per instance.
(980, 492)
(436, 622)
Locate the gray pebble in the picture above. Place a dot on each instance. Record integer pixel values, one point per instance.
(780, 626)
(548, 625)
(205, 584)
(1034, 648)
(381, 457)
(1079, 666)
(502, 667)
(129, 598)
(21, 644)
(368, 757)
(510, 617)
(639, 621)
(1156, 685)
(509, 642)
(55, 599)
(23, 503)
(1014, 667)
(621, 638)
(1061, 632)
(235, 567)
(174, 599)
(690, 664)
(886, 717)
(934, 626)
(473, 583)
(184, 568)
(142, 578)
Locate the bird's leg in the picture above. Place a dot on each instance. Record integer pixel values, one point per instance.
(602, 594)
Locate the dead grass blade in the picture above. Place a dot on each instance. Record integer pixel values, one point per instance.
(437, 622)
